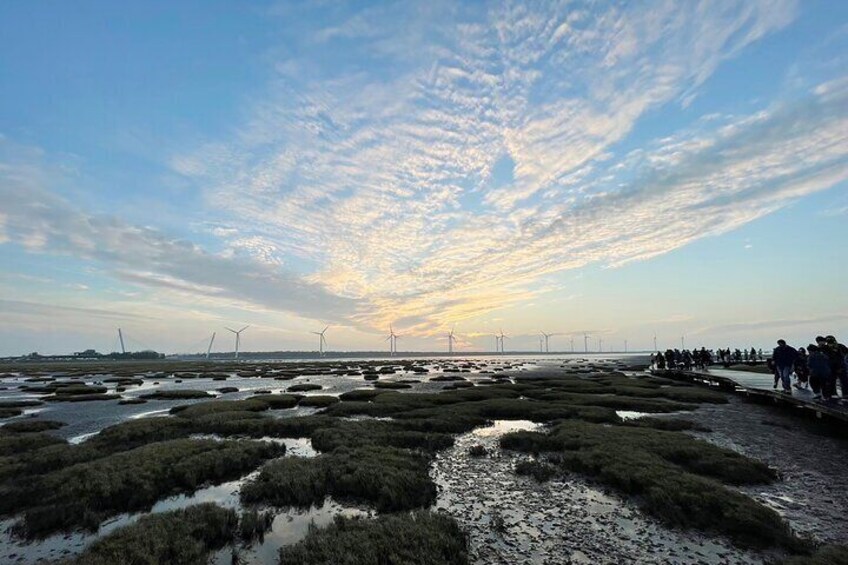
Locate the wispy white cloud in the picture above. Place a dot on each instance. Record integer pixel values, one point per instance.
(381, 182)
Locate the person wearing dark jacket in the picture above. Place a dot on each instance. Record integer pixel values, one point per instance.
(801, 370)
(784, 361)
(819, 366)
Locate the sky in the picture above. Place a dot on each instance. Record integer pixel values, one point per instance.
(621, 170)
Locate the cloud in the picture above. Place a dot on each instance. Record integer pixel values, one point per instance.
(43, 222)
(379, 180)
(54, 310)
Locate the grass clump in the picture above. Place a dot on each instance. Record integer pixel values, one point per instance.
(179, 537)
(31, 426)
(304, 387)
(539, 470)
(84, 494)
(319, 401)
(672, 476)
(477, 451)
(362, 394)
(419, 538)
(390, 479)
(391, 385)
(825, 555)
(389, 434)
(253, 525)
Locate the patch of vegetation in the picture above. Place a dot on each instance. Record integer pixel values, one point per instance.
(20, 403)
(227, 389)
(81, 397)
(390, 434)
(80, 389)
(83, 494)
(10, 412)
(253, 525)
(419, 538)
(362, 394)
(177, 394)
(390, 479)
(477, 451)
(391, 385)
(179, 537)
(825, 555)
(539, 470)
(28, 426)
(304, 387)
(668, 424)
(672, 476)
(319, 401)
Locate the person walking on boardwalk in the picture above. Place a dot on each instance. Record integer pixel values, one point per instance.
(784, 362)
(836, 354)
(819, 366)
(802, 372)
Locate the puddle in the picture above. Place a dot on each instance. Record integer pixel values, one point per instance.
(501, 427)
(289, 527)
(150, 414)
(630, 415)
(81, 438)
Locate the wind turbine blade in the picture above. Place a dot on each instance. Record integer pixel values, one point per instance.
(244, 328)
(232, 330)
(325, 329)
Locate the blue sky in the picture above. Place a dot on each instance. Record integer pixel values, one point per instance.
(618, 169)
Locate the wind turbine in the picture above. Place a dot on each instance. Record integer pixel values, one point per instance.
(502, 337)
(625, 346)
(121, 338)
(655, 343)
(600, 345)
(322, 341)
(238, 337)
(451, 339)
(586, 342)
(392, 339)
(209, 349)
(547, 337)
(541, 345)
(571, 339)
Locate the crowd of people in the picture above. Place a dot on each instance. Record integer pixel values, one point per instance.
(819, 367)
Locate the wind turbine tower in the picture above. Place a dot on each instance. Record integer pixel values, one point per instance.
(547, 341)
(502, 337)
(571, 339)
(586, 343)
(655, 343)
(209, 349)
(322, 342)
(392, 339)
(238, 337)
(121, 339)
(451, 339)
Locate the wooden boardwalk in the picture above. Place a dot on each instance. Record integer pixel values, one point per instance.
(755, 387)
